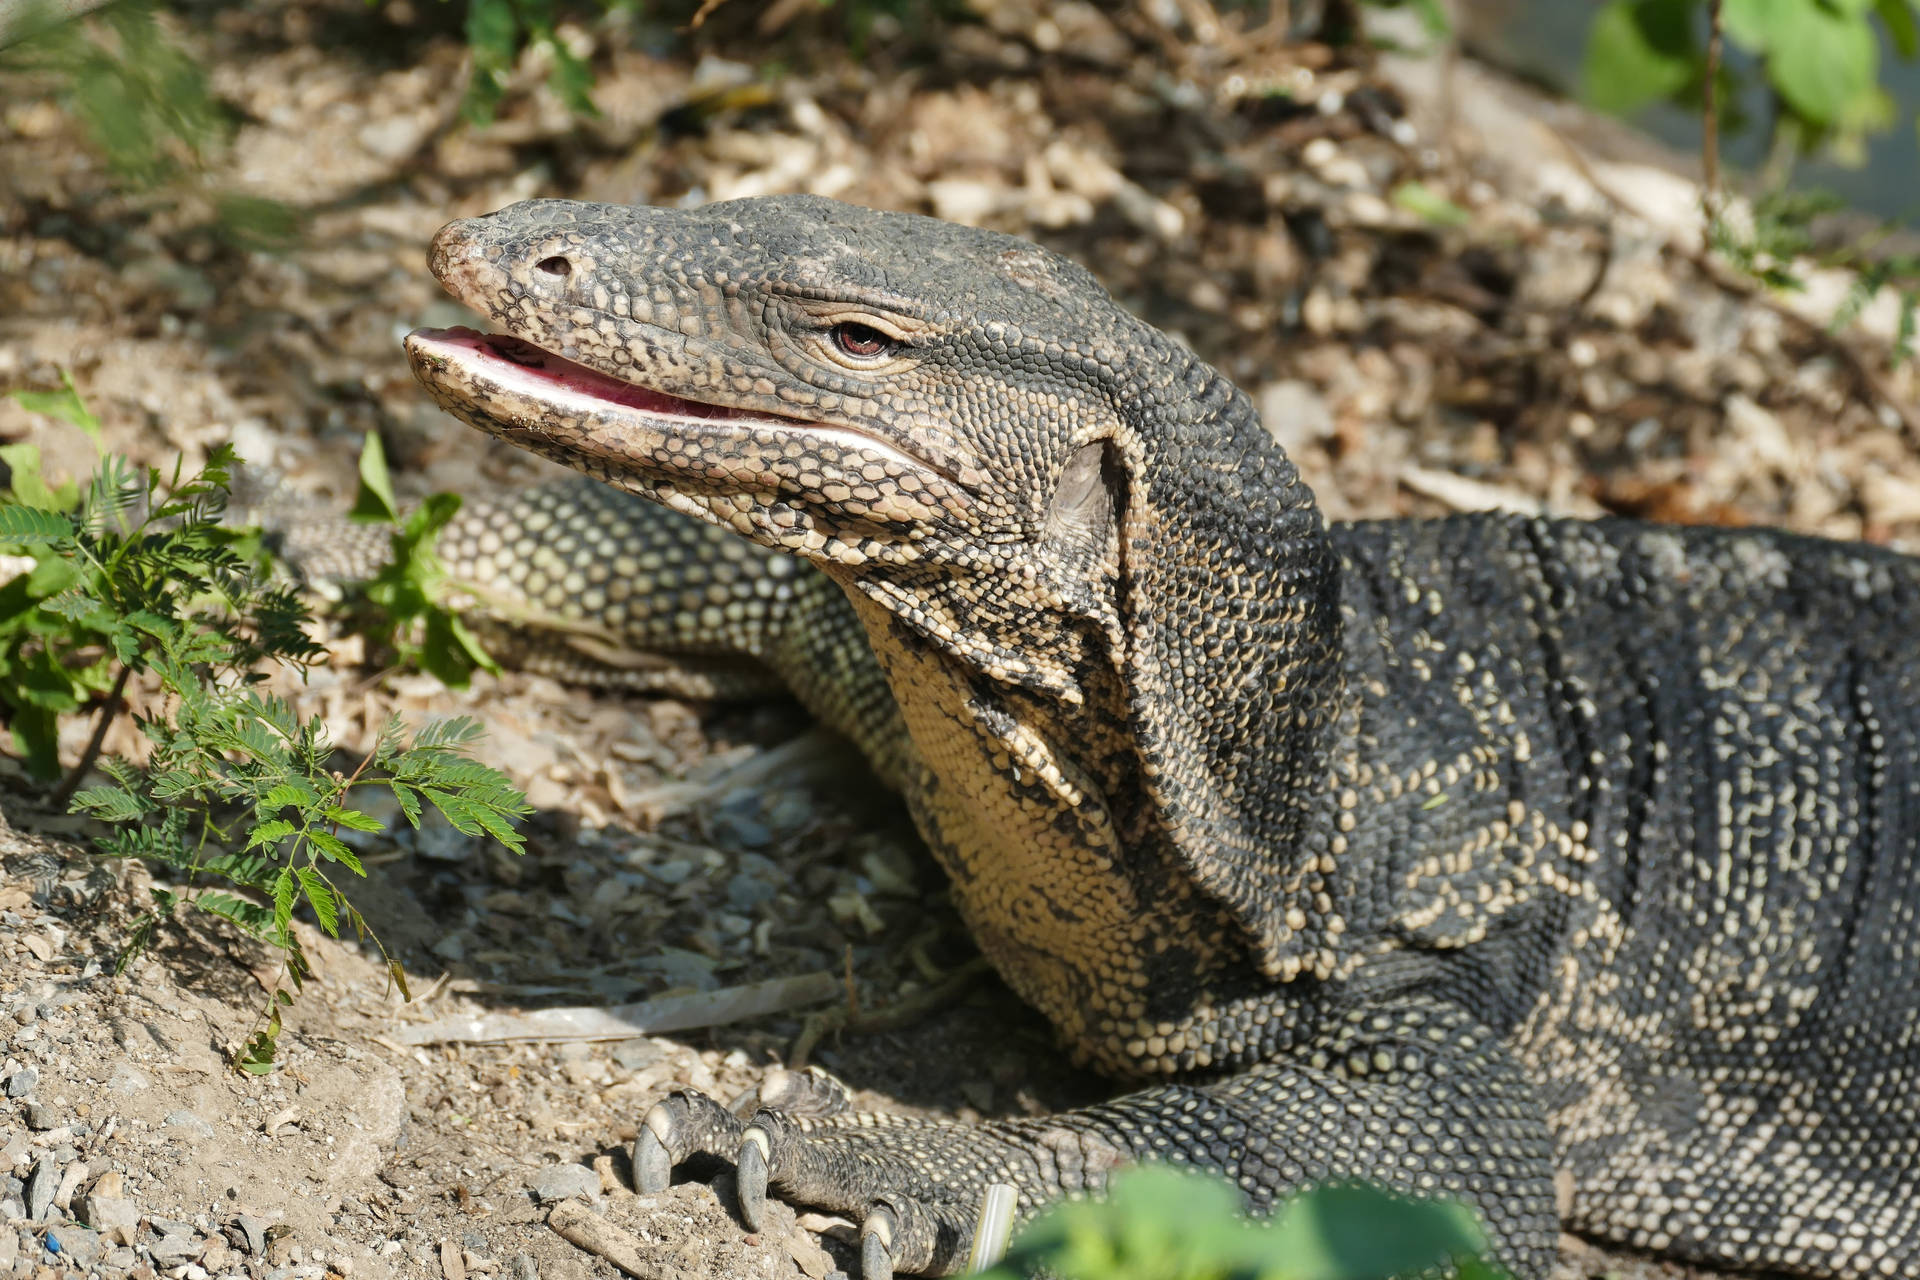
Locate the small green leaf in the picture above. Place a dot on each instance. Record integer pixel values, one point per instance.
(64, 404)
(1899, 18)
(110, 804)
(270, 833)
(354, 820)
(320, 897)
(374, 503)
(1423, 201)
(1826, 65)
(33, 525)
(1639, 52)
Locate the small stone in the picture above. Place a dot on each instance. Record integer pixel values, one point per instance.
(175, 1249)
(79, 1246)
(252, 1233)
(21, 1082)
(119, 1259)
(635, 1055)
(9, 1249)
(522, 1267)
(452, 1264)
(41, 1184)
(188, 1123)
(12, 1209)
(559, 1181)
(41, 1117)
(116, 1219)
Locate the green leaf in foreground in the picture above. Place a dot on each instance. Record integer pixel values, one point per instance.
(1160, 1223)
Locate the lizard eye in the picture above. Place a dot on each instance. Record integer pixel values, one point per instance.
(861, 341)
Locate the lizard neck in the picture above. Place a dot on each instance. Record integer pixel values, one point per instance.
(1122, 791)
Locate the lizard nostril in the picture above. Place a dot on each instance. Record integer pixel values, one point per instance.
(558, 267)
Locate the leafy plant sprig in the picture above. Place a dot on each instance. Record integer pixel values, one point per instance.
(412, 593)
(238, 799)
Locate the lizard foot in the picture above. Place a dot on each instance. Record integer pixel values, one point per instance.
(914, 1185)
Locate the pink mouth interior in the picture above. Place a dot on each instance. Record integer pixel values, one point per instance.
(531, 368)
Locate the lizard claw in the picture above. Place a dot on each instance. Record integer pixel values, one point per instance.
(750, 1173)
(652, 1162)
(684, 1123)
(876, 1245)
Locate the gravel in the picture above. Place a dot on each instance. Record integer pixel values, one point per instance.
(559, 1181)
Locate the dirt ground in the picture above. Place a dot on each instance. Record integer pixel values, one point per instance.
(1543, 336)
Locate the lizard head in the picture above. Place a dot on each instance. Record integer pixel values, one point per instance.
(863, 389)
(962, 428)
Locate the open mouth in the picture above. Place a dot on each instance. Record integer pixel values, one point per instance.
(519, 368)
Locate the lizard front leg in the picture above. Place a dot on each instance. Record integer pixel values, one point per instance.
(1415, 1096)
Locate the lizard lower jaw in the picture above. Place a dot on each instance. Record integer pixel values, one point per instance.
(653, 442)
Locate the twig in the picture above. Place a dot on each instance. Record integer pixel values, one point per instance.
(901, 1013)
(1703, 261)
(1710, 113)
(109, 709)
(622, 1022)
(576, 1223)
(704, 12)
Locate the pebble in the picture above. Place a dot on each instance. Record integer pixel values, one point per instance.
(9, 1248)
(189, 1122)
(111, 1216)
(559, 1181)
(41, 1184)
(637, 1054)
(252, 1233)
(21, 1082)
(76, 1244)
(41, 1117)
(174, 1250)
(522, 1267)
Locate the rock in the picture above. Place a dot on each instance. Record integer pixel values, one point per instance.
(41, 1184)
(21, 1082)
(119, 1259)
(112, 1217)
(635, 1055)
(9, 1248)
(41, 1117)
(12, 1209)
(128, 1080)
(559, 1181)
(175, 1249)
(249, 1233)
(521, 1267)
(75, 1244)
(188, 1123)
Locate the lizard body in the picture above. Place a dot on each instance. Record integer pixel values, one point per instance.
(1447, 854)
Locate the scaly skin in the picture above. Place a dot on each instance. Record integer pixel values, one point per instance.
(1449, 855)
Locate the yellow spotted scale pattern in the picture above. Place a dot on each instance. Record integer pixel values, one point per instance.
(1565, 868)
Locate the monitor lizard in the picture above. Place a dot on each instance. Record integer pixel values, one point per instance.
(1566, 868)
